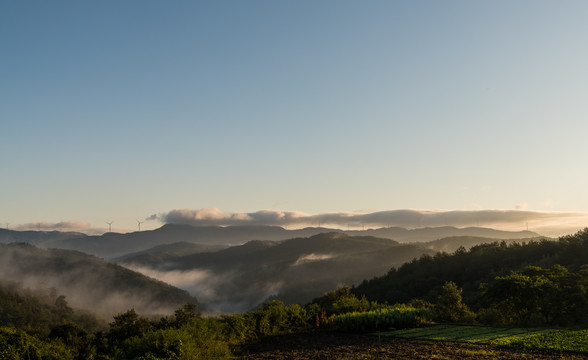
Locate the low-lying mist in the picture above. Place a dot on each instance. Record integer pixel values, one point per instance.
(88, 282)
(219, 292)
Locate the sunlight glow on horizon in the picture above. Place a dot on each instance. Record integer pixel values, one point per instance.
(544, 223)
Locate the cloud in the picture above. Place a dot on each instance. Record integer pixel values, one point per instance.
(214, 216)
(58, 226)
(550, 222)
(312, 257)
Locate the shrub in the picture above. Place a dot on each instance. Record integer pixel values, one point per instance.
(398, 316)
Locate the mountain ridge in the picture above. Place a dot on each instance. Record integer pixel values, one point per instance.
(111, 245)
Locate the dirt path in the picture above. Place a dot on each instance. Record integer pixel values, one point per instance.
(319, 345)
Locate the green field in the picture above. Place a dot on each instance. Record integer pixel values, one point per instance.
(540, 339)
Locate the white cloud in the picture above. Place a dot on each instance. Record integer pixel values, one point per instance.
(552, 222)
(58, 226)
(312, 257)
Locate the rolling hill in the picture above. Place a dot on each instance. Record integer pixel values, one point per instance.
(423, 277)
(87, 281)
(262, 262)
(297, 270)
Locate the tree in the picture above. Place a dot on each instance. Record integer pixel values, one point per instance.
(183, 315)
(449, 306)
(127, 325)
(342, 301)
(74, 338)
(63, 310)
(539, 296)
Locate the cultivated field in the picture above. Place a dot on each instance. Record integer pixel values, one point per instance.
(328, 345)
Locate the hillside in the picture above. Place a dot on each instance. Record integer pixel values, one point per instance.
(162, 253)
(452, 243)
(434, 233)
(423, 277)
(87, 281)
(38, 310)
(296, 270)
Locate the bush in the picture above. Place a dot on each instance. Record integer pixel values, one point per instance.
(398, 316)
(16, 345)
(201, 338)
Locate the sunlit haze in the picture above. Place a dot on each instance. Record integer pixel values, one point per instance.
(346, 114)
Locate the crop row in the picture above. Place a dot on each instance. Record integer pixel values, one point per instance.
(560, 340)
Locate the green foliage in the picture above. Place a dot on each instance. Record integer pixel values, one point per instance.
(74, 338)
(449, 306)
(397, 316)
(538, 339)
(562, 340)
(240, 327)
(37, 311)
(537, 296)
(271, 319)
(470, 333)
(341, 301)
(276, 318)
(127, 325)
(201, 338)
(554, 295)
(17, 345)
(185, 314)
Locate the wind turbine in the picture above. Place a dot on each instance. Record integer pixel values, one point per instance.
(110, 226)
(139, 224)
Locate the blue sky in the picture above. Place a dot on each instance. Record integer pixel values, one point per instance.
(114, 111)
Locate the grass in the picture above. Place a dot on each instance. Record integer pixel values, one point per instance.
(538, 339)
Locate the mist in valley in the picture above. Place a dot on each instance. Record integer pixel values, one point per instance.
(87, 282)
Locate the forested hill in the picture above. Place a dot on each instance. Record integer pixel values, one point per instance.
(425, 234)
(423, 277)
(295, 271)
(38, 310)
(87, 281)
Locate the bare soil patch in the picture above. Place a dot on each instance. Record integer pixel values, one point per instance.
(322, 345)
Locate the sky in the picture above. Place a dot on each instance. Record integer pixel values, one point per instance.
(118, 111)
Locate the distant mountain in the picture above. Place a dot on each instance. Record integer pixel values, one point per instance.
(297, 270)
(161, 253)
(87, 281)
(37, 237)
(434, 233)
(276, 252)
(111, 245)
(450, 244)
